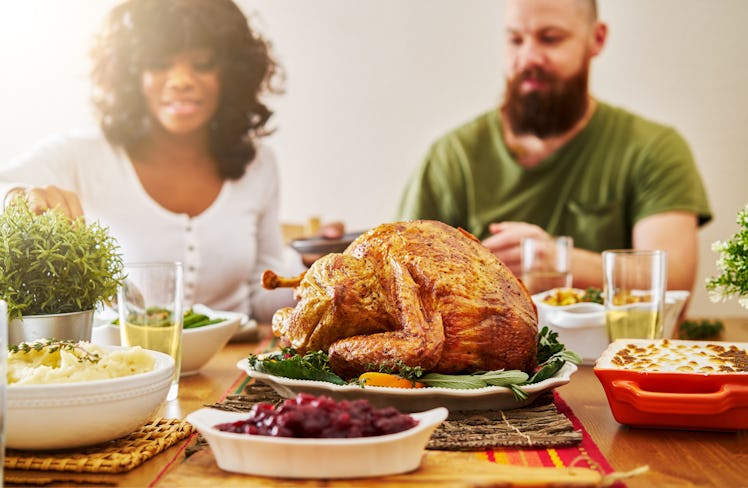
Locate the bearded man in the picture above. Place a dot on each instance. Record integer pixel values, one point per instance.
(554, 160)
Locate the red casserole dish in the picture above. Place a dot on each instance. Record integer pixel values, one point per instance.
(676, 384)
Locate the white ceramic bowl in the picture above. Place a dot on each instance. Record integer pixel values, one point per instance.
(199, 345)
(67, 415)
(286, 457)
(581, 326)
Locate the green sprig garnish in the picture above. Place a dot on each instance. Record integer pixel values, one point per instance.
(399, 368)
(548, 345)
(289, 364)
(552, 355)
(51, 346)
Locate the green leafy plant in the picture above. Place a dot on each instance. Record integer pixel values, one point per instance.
(733, 265)
(50, 264)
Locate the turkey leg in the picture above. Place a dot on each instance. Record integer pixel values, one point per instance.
(271, 281)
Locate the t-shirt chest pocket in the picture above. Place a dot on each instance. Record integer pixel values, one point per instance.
(596, 226)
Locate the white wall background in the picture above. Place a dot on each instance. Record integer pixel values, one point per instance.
(372, 82)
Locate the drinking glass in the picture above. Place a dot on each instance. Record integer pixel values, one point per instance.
(546, 263)
(3, 380)
(634, 284)
(150, 311)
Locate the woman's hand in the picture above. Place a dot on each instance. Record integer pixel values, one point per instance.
(41, 199)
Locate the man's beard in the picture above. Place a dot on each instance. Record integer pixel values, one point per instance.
(546, 113)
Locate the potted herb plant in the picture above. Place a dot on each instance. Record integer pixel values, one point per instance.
(54, 271)
(733, 265)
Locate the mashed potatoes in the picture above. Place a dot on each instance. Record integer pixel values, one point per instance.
(69, 362)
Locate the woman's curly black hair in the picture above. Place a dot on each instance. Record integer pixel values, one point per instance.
(138, 32)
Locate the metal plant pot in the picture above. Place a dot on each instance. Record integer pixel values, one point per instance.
(75, 326)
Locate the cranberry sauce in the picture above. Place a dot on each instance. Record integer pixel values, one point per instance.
(316, 417)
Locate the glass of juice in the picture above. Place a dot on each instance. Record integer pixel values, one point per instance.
(546, 263)
(150, 311)
(634, 284)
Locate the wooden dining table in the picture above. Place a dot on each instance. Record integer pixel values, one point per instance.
(674, 457)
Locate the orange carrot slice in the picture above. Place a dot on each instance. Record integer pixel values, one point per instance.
(373, 378)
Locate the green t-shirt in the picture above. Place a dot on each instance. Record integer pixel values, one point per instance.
(619, 169)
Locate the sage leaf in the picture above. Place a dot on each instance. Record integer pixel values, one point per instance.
(504, 378)
(462, 382)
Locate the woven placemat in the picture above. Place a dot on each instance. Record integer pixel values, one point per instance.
(537, 425)
(116, 456)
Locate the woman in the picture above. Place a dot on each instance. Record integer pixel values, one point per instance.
(177, 171)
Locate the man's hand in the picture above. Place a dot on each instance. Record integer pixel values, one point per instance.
(41, 199)
(675, 232)
(506, 242)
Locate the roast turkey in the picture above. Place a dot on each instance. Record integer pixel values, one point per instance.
(417, 293)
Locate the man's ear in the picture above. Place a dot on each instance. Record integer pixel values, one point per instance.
(599, 36)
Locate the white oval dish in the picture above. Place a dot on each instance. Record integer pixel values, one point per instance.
(415, 399)
(67, 415)
(287, 457)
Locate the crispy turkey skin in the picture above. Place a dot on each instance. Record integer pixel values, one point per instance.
(419, 292)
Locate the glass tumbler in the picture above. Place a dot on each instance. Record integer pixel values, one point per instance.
(634, 284)
(150, 311)
(546, 263)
